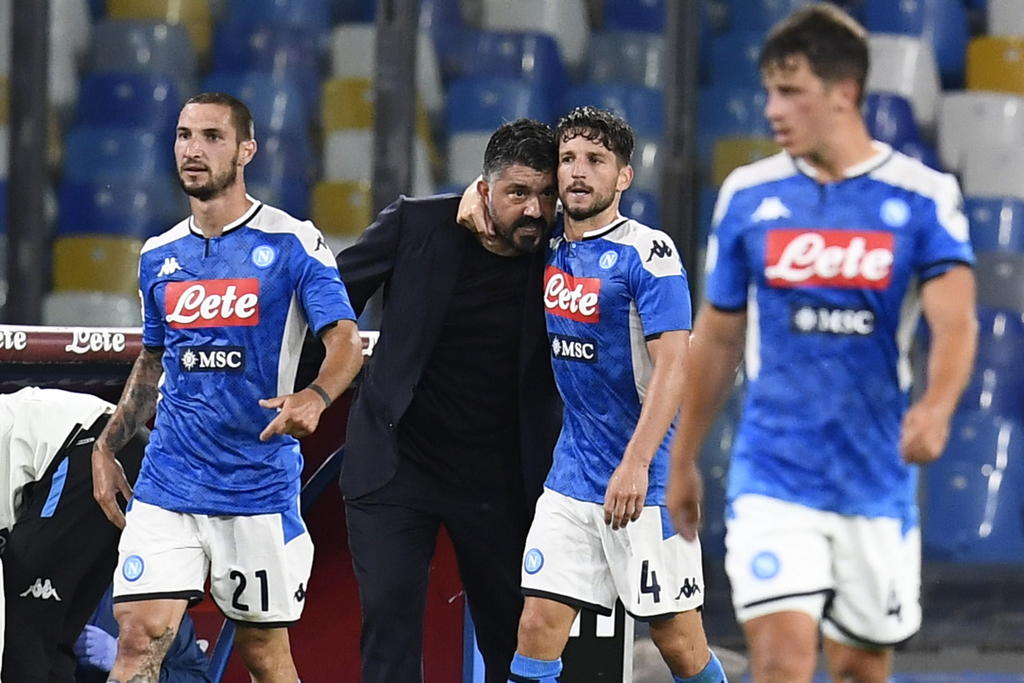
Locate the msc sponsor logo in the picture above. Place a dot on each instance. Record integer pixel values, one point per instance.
(573, 348)
(845, 259)
(212, 358)
(844, 321)
(213, 303)
(571, 297)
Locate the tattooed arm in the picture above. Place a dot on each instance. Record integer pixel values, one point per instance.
(137, 405)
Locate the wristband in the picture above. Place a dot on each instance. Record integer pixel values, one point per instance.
(320, 392)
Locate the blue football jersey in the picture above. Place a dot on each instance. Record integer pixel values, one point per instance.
(604, 297)
(230, 313)
(830, 276)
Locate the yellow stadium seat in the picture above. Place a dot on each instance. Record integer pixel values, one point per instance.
(95, 263)
(996, 63)
(194, 15)
(348, 103)
(731, 153)
(342, 208)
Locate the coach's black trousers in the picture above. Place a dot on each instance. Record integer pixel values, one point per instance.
(392, 533)
(59, 559)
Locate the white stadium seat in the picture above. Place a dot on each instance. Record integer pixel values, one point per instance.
(972, 119)
(994, 172)
(348, 155)
(1005, 18)
(565, 20)
(906, 66)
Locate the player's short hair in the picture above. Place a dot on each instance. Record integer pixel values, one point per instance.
(835, 45)
(241, 117)
(525, 142)
(601, 126)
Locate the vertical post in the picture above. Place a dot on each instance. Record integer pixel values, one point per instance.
(26, 221)
(679, 191)
(394, 100)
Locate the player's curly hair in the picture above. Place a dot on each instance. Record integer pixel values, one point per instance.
(241, 117)
(523, 141)
(834, 44)
(601, 126)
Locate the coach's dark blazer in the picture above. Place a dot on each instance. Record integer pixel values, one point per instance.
(414, 249)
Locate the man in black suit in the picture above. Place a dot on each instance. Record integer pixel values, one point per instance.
(456, 416)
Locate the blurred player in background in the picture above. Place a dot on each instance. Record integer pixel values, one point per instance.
(618, 319)
(46, 436)
(227, 296)
(456, 415)
(828, 251)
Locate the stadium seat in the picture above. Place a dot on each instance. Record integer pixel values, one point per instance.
(348, 103)
(1000, 339)
(88, 309)
(353, 55)
(96, 263)
(1001, 280)
(70, 28)
(1005, 18)
(634, 15)
(996, 63)
(138, 45)
(642, 207)
(728, 111)
(970, 120)
(440, 17)
(532, 57)
(291, 195)
(143, 100)
(942, 23)
(994, 172)
(643, 108)
(714, 468)
(733, 58)
(648, 165)
(348, 155)
(923, 152)
(731, 153)
(705, 212)
(342, 208)
(890, 118)
(311, 15)
(123, 207)
(760, 15)
(465, 156)
(93, 153)
(275, 107)
(973, 509)
(194, 15)
(280, 157)
(631, 57)
(566, 21)
(486, 103)
(997, 223)
(906, 66)
(996, 390)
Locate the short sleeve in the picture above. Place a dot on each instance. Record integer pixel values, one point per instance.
(153, 327)
(943, 240)
(727, 272)
(320, 289)
(659, 286)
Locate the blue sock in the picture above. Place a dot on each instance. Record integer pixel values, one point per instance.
(528, 670)
(712, 673)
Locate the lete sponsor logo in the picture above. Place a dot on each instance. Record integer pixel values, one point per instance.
(13, 340)
(829, 258)
(86, 341)
(213, 303)
(571, 297)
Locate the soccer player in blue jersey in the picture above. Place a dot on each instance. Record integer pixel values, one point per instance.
(227, 295)
(618, 316)
(822, 257)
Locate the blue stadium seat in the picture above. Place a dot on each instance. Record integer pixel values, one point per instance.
(275, 107)
(642, 207)
(139, 45)
(632, 57)
(97, 9)
(1000, 339)
(314, 15)
(279, 157)
(290, 195)
(532, 57)
(760, 15)
(105, 152)
(923, 152)
(942, 22)
(706, 212)
(635, 15)
(1000, 277)
(438, 17)
(343, 11)
(142, 100)
(486, 103)
(643, 108)
(732, 58)
(997, 223)
(714, 468)
(136, 208)
(973, 510)
(890, 118)
(284, 53)
(728, 111)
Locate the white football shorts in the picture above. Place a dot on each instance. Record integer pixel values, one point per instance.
(258, 565)
(860, 577)
(573, 557)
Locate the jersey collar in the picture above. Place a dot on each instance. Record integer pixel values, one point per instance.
(249, 214)
(601, 232)
(883, 153)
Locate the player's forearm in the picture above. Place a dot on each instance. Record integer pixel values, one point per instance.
(342, 359)
(661, 401)
(950, 361)
(137, 404)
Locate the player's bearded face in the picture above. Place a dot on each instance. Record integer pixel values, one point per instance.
(210, 182)
(589, 177)
(521, 204)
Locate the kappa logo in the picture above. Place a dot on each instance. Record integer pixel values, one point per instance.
(300, 593)
(770, 209)
(170, 266)
(659, 249)
(41, 589)
(689, 588)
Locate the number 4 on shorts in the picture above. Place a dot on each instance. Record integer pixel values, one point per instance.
(651, 587)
